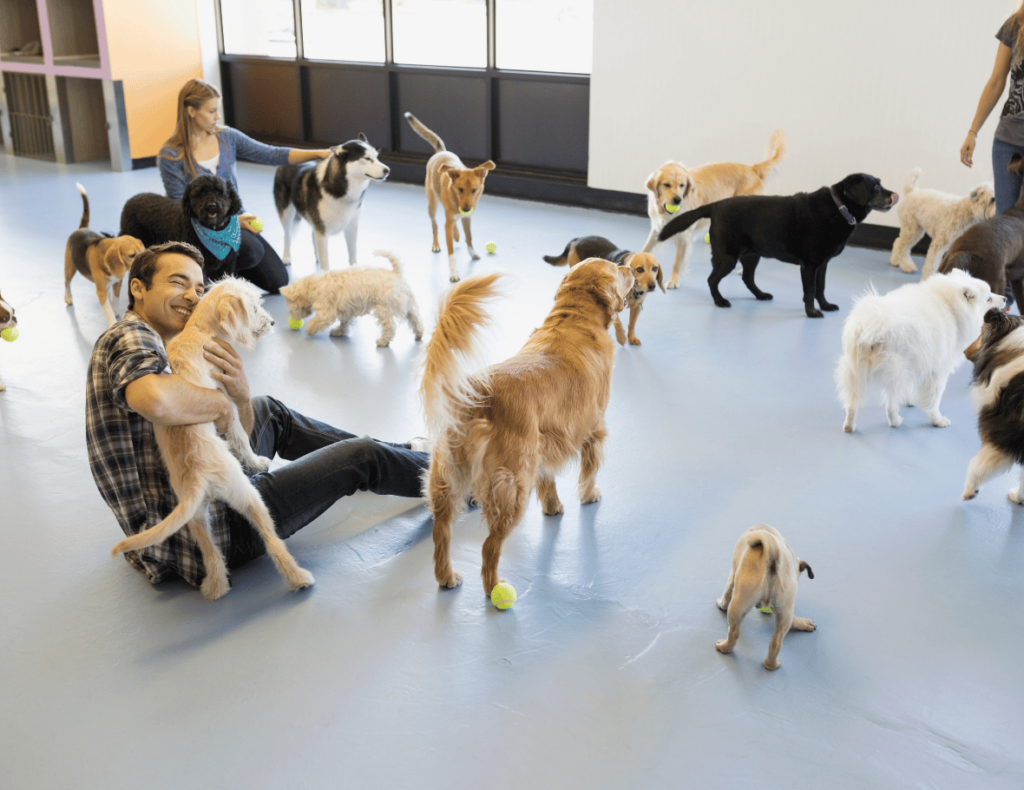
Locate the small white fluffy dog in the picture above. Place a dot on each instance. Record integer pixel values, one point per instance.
(765, 571)
(202, 466)
(910, 339)
(939, 214)
(349, 293)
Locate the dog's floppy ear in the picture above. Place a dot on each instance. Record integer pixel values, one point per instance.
(236, 202)
(857, 191)
(447, 170)
(976, 194)
(652, 183)
(481, 170)
(232, 314)
(805, 567)
(186, 201)
(661, 270)
(114, 262)
(970, 294)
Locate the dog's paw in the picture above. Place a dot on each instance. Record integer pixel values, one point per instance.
(723, 646)
(908, 268)
(338, 332)
(672, 283)
(968, 494)
(435, 248)
(592, 497)
(941, 422)
(804, 624)
(720, 302)
(772, 664)
(722, 604)
(829, 307)
(452, 581)
(1016, 496)
(764, 297)
(454, 278)
(634, 340)
(553, 510)
(895, 421)
(261, 464)
(620, 335)
(382, 343)
(300, 579)
(214, 586)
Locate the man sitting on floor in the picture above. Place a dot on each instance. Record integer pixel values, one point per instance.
(130, 387)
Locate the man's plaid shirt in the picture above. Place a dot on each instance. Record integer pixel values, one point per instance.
(124, 458)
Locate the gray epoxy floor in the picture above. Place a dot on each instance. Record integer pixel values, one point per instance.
(604, 674)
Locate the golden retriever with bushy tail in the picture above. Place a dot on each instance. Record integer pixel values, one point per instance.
(504, 430)
(200, 464)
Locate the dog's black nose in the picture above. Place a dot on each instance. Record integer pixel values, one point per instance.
(650, 286)
(271, 321)
(677, 200)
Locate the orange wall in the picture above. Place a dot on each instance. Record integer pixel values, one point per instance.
(154, 49)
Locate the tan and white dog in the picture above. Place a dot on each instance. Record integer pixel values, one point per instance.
(349, 293)
(939, 214)
(765, 572)
(7, 321)
(101, 259)
(201, 465)
(674, 187)
(458, 188)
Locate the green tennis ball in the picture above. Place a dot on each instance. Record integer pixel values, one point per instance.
(256, 224)
(671, 208)
(503, 595)
(465, 213)
(707, 238)
(491, 247)
(10, 334)
(765, 610)
(295, 323)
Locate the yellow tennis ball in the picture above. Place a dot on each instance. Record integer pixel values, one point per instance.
(671, 208)
(10, 334)
(465, 213)
(491, 247)
(765, 610)
(707, 238)
(295, 323)
(503, 595)
(256, 224)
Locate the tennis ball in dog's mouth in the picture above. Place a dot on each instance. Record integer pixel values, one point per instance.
(295, 323)
(491, 247)
(256, 224)
(707, 238)
(503, 595)
(765, 610)
(10, 334)
(464, 212)
(671, 208)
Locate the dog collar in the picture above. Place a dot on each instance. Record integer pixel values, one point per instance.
(842, 209)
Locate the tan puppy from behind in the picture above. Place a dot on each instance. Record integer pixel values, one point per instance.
(646, 275)
(504, 430)
(101, 259)
(457, 187)
(764, 573)
(200, 464)
(674, 187)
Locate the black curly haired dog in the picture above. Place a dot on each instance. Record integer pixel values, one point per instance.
(209, 200)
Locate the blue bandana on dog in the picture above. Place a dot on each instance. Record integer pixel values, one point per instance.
(220, 242)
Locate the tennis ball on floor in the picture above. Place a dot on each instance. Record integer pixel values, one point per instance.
(10, 334)
(256, 224)
(491, 247)
(503, 595)
(671, 208)
(765, 610)
(707, 238)
(295, 323)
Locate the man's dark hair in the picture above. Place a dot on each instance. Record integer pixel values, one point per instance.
(144, 265)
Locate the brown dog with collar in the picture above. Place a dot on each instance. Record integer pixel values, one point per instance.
(647, 274)
(456, 186)
(100, 258)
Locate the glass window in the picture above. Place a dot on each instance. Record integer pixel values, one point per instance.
(545, 35)
(259, 27)
(350, 30)
(440, 32)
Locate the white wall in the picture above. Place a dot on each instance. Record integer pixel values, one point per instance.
(207, 18)
(877, 86)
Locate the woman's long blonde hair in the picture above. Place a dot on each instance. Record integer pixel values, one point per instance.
(194, 93)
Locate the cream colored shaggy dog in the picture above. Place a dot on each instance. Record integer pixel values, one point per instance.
(911, 340)
(939, 214)
(349, 293)
(673, 187)
(201, 465)
(501, 431)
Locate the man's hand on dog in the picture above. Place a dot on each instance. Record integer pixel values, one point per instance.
(228, 370)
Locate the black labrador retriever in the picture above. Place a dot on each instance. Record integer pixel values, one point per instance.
(808, 229)
(209, 200)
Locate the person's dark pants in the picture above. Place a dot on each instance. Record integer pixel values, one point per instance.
(1007, 185)
(260, 264)
(326, 465)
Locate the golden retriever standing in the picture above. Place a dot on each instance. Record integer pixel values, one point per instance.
(673, 186)
(457, 187)
(200, 464)
(504, 430)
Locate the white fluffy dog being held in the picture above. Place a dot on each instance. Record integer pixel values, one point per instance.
(201, 465)
(765, 571)
(349, 293)
(941, 215)
(910, 340)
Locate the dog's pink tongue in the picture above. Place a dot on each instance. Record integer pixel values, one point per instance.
(895, 199)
